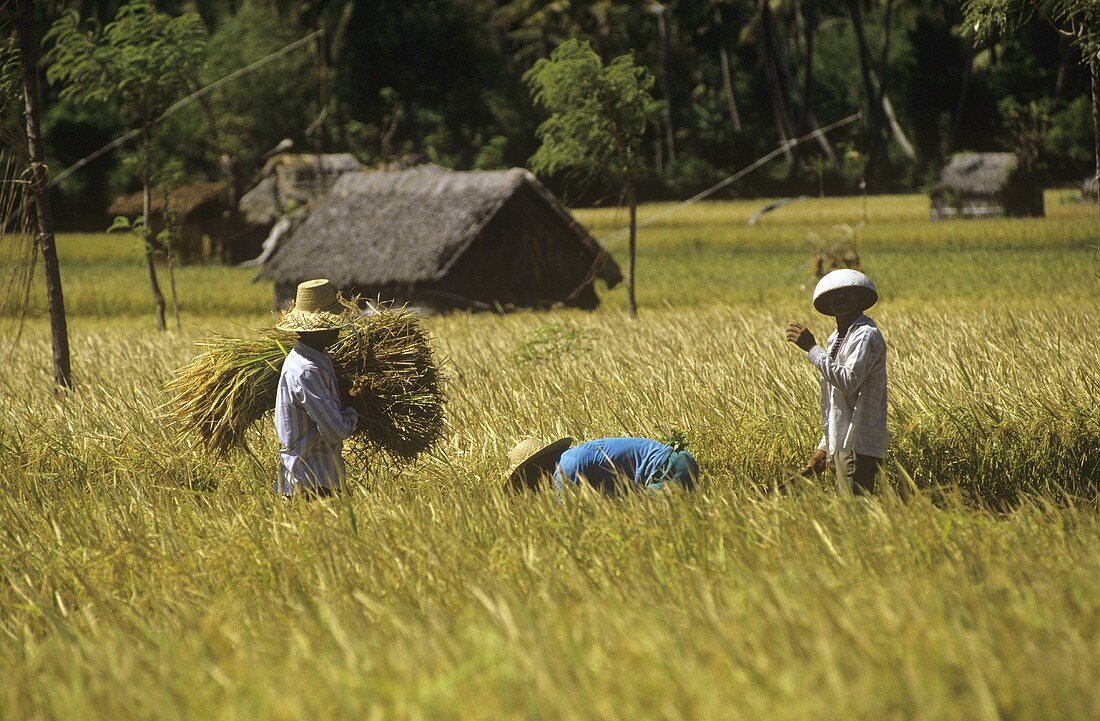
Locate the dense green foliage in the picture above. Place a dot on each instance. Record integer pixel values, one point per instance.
(147, 579)
(444, 80)
(598, 113)
(1077, 19)
(141, 63)
(598, 117)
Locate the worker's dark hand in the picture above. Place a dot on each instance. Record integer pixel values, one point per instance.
(801, 336)
(816, 465)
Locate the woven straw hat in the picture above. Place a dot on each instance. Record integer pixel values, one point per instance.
(316, 307)
(528, 451)
(845, 278)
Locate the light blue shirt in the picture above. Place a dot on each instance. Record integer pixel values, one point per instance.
(310, 422)
(605, 461)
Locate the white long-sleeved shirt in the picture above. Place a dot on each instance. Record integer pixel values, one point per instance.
(310, 423)
(853, 391)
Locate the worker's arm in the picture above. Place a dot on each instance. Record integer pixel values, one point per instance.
(866, 352)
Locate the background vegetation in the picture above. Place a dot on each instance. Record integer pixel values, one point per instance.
(443, 80)
(144, 579)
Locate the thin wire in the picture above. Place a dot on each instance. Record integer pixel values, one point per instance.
(782, 148)
(180, 104)
(603, 256)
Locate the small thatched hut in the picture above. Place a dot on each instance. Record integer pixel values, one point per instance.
(291, 180)
(442, 239)
(207, 227)
(980, 185)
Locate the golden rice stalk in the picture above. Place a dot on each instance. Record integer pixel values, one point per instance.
(384, 366)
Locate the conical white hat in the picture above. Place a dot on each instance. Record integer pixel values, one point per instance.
(845, 278)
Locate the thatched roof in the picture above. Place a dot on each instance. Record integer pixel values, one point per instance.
(409, 227)
(293, 178)
(184, 200)
(983, 174)
(261, 204)
(332, 163)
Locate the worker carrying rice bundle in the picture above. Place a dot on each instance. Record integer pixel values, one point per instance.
(332, 374)
(852, 370)
(310, 419)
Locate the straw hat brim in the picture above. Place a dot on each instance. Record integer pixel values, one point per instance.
(515, 476)
(310, 321)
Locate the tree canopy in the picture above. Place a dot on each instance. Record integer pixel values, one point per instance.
(599, 113)
(142, 60)
(444, 81)
(598, 118)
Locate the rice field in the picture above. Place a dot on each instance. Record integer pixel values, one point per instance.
(145, 578)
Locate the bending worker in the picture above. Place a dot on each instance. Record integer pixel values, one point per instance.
(852, 369)
(607, 464)
(310, 419)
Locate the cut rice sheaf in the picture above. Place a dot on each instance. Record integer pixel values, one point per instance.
(385, 369)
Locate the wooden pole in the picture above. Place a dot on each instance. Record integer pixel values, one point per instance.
(1094, 72)
(39, 177)
(147, 230)
(633, 244)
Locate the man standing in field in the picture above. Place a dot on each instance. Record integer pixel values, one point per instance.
(309, 417)
(853, 381)
(607, 464)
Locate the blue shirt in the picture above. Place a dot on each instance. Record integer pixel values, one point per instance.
(310, 422)
(603, 462)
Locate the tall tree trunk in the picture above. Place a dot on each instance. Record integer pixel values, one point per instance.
(807, 81)
(59, 331)
(147, 230)
(956, 121)
(782, 62)
(727, 84)
(809, 27)
(227, 163)
(884, 53)
(881, 82)
(171, 227)
(1064, 59)
(666, 85)
(896, 129)
(727, 75)
(874, 108)
(1094, 72)
(229, 168)
(783, 121)
(169, 254)
(632, 244)
(822, 139)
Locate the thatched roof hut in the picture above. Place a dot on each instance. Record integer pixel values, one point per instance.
(184, 200)
(294, 179)
(976, 185)
(444, 239)
(207, 227)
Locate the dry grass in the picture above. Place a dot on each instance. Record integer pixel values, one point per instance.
(145, 578)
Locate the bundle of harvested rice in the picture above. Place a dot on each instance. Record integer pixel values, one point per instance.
(384, 367)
